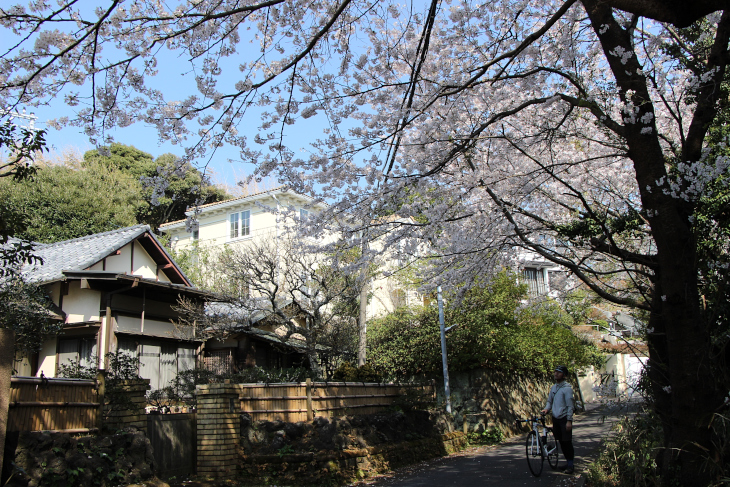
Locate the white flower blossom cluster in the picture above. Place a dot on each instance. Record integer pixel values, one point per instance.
(692, 179)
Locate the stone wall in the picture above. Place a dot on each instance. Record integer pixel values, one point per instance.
(344, 466)
(482, 399)
(338, 450)
(61, 460)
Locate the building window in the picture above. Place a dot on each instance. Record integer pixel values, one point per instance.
(240, 224)
(303, 214)
(234, 225)
(535, 280)
(245, 223)
(77, 352)
(159, 361)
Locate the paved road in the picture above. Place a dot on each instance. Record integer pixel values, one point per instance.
(504, 465)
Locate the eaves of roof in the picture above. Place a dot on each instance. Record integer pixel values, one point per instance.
(130, 280)
(233, 202)
(274, 338)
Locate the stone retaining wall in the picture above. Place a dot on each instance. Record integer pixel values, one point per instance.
(483, 399)
(61, 460)
(334, 451)
(337, 468)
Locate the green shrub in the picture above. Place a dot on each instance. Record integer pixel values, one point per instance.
(349, 373)
(495, 330)
(491, 436)
(628, 456)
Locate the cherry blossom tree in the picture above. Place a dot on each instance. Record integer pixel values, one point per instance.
(563, 127)
(297, 291)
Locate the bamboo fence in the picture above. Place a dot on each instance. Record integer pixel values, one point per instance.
(294, 402)
(54, 405)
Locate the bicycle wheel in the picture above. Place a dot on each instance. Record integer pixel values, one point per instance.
(551, 450)
(534, 454)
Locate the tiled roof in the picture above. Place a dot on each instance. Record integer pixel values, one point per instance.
(79, 253)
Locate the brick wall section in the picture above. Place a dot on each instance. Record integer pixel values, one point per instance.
(218, 424)
(134, 391)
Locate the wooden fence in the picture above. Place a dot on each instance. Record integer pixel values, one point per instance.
(74, 405)
(57, 405)
(302, 401)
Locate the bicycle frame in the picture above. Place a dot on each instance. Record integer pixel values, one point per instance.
(538, 448)
(541, 438)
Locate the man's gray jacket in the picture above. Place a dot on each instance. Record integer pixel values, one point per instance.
(560, 401)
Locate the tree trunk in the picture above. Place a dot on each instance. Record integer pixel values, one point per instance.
(7, 356)
(685, 386)
(312, 350)
(687, 393)
(313, 360)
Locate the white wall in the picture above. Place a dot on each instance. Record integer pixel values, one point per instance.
(22, 366)
(138, 263)
(617, 378)
(121, 263)
(81, 304)
(157, 328)
(47, 358)
(143, 264)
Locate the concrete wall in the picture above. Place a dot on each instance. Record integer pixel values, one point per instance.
(617, 379)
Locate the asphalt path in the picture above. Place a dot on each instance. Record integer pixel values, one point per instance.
(505, 464)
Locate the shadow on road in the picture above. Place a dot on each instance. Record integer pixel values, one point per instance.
(504, 465)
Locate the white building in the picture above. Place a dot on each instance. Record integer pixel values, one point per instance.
(270, 215)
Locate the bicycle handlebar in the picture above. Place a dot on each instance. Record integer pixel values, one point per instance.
(533, 419)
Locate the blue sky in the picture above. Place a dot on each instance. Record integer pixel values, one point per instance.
(177, 83)
(145, 138)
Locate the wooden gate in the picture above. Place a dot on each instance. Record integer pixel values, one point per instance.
(174, 443)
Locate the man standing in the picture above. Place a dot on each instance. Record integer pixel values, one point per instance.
(560, 401)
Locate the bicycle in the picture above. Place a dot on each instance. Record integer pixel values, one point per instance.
(538, 447)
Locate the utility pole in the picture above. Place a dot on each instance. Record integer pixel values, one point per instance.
(362, 331)
(362, 319)
(447, 391)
